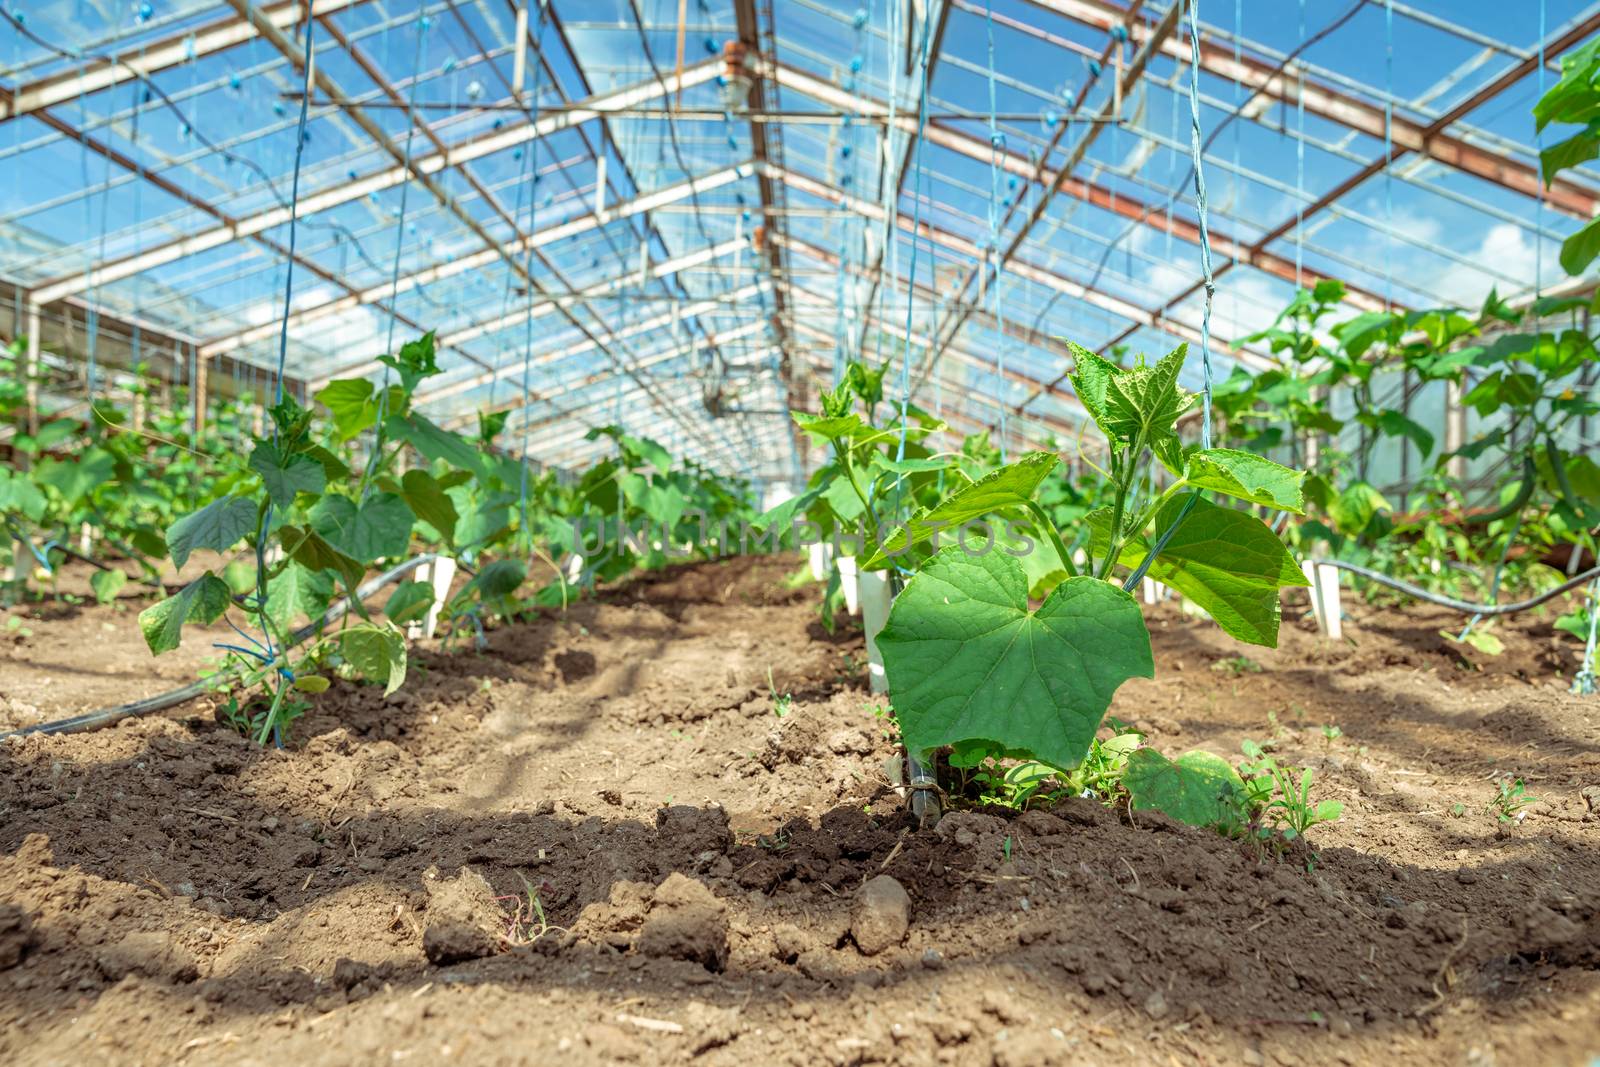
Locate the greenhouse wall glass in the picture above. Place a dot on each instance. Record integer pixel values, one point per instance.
(889, 531)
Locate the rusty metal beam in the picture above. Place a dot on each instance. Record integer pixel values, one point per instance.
(1260, 75)
(154, 56)
(347, 191)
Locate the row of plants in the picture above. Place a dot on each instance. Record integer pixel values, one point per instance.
(294, 519)
(1525, 371)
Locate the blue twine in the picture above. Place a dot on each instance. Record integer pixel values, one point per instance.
(996, 141)
(1197, 158)
(283, 330)
(916, 225)
(533, 221)
(1388, 153)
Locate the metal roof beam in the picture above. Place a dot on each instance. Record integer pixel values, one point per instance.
(644, 326)
(1139, 316)
(347, 191)
(1120, 204)
(1262, 78)
(154, 57)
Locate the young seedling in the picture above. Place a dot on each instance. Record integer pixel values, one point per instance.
(1237, 665)
(780, 704)
(1510, 800)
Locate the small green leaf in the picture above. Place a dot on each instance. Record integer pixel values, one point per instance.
(1247, 476)
(311, 683)
(107, 584)
(298, 591)
(967, 660)
(835, 428)
(1127, 402)
(202, 600)
(500, 578)
(217, 526)
(285, 475)
(378, 654)
(312, 551)
(75, 479)
(350, 402)
(1197, 788)
(1579, 250)
(409, 602)
(1009, 487)
(1228, 562)
(436, 443)
(19, 496)
(427, 500)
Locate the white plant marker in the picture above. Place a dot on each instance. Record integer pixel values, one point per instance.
(873, 589)
(848, 581)
(1150, 591)
(821, 554)
(1324, 582)
(439, 574)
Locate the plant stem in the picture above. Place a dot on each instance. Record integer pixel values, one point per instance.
(1128, 469)
(1055, 538)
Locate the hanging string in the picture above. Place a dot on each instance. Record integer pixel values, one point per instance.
(889, 246)
(268, 654)
(916, 244)
(527, 264)
(399, 246)
(1300, 162)
(1197, 161)
(1388, 154)
(1538, 227)
(996, 145)
(1538, 287)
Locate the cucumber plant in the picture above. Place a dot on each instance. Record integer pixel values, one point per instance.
(972, 665)
(330, 522)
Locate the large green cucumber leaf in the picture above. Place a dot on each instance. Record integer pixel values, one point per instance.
(1247, 476)
(350, 402)
(378, 653)
(311, 550)
(1011, 486)
(379, 526)
(409, 602)
(967, 660)
(285, 475)
(299, 591)
(217, 526)
(1197, 788)
(428, 501)
(202, 600)
(436, 443)
(1228, 562)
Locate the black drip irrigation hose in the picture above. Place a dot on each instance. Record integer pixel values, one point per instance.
(94, 720)
(1460, 605)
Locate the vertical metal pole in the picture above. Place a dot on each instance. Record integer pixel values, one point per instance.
(30, 370)
(1455, 429)
(198, 399)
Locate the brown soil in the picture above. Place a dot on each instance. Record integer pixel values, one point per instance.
(169, 893)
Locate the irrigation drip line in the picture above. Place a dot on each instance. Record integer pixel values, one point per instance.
(94, 720)
(1464, 606)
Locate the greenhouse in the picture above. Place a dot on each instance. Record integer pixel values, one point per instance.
(985, 532)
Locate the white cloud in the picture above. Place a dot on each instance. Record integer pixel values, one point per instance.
(1513, 254)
